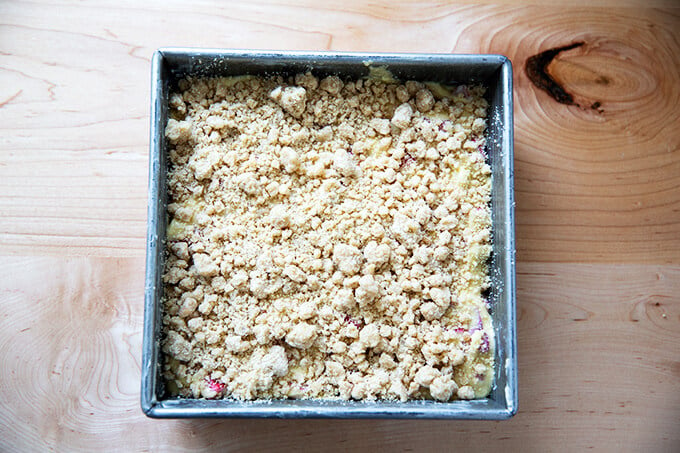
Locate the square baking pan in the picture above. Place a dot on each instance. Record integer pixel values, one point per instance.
(169, 65)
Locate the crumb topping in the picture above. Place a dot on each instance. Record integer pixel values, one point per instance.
(327, 239)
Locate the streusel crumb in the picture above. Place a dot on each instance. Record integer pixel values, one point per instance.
(327, 239)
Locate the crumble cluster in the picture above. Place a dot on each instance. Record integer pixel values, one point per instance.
(327, 239)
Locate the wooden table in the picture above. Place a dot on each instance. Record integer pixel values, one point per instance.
(598, 218)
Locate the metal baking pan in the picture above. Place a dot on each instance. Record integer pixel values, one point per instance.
(494, 71)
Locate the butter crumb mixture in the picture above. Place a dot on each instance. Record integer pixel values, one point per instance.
(327, 239)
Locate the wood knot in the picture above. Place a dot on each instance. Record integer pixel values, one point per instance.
(536, 68)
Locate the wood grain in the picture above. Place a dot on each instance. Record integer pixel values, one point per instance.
(598, 217)
(599, 367)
